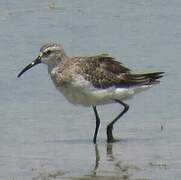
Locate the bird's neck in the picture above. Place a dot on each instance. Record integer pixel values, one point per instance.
(57, 63)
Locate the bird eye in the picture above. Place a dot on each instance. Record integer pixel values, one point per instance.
(48, 52)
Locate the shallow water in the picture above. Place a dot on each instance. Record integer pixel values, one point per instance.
(43, 137)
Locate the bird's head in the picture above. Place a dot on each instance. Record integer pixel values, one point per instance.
(50, 54)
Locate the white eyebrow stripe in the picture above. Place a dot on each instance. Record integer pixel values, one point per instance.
(51, 48)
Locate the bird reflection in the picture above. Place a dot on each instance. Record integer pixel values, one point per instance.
(110, 152)
(97, 155)
(117, 167)
(117, 163)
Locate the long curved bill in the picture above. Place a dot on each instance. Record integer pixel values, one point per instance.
(29, 66)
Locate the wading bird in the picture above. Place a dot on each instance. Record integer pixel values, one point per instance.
(93, 80)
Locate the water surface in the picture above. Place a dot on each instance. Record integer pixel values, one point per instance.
(43, 137)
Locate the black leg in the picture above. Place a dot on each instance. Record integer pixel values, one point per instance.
(110, 137)
(97, 124)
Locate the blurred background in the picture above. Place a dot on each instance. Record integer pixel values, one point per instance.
(42, 136)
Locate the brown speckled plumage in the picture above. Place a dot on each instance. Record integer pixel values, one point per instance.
(93, 80)
(104, 72)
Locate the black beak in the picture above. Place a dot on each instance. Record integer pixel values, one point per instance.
(35, 62)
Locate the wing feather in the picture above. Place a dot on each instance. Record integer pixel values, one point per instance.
(104, 71)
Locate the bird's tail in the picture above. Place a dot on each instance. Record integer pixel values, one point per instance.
(144, 78)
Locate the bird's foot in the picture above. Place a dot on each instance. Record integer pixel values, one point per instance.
(113, 140)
